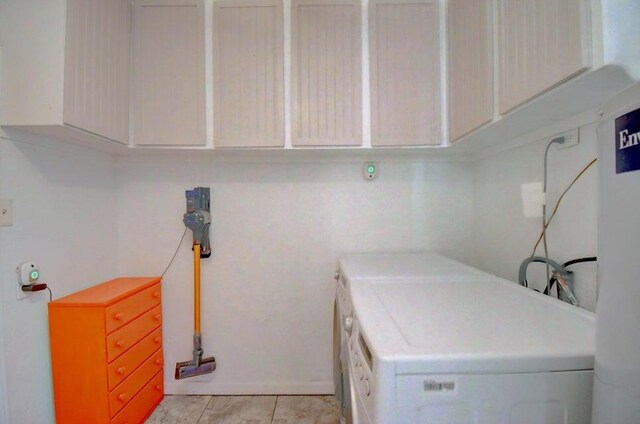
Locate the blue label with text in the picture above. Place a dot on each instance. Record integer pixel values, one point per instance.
(628, 142)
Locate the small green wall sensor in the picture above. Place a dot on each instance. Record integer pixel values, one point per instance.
(370, 171)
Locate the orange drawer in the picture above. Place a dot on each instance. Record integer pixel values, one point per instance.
(122, 394)
(127, 310)
(132, 333)
(143, 403)
(122, 367)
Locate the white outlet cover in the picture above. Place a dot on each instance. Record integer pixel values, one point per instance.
(532, 199)
(6, 212)
(572, 138)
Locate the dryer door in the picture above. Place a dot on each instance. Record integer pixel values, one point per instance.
(337, 348)
(347, 412)
(341, 376)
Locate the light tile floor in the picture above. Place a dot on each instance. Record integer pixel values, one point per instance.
(246, 410)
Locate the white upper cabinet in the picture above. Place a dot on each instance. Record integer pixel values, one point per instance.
(169, 73)
(326, 73)
(471, 72)
(248, 73)
(554, 59)
(470, 54)
(96, 77)
(65, 69)
(541, 44)
(406, 89)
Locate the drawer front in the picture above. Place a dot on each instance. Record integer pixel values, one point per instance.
(122, 367)
(142, 404)
(122, 394)
(128, 309)
(120, 341)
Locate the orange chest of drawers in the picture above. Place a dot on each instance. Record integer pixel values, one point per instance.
(106, 352)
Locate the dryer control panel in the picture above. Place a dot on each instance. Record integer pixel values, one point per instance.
(361, 359)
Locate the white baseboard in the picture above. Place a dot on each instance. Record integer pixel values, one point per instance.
(185, 387)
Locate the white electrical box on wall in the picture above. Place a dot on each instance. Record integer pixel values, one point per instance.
(532, 199)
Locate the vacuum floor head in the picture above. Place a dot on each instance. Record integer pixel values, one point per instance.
(189, 369)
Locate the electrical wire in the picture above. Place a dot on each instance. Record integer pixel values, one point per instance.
(525, 282)
(553, 281)
(184, 233)
(50, 294)
(557, 140)
(580, 261)
(557, 205)
(551, 284)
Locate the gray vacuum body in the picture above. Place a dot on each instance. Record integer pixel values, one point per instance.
(198, 220)
(198, 217)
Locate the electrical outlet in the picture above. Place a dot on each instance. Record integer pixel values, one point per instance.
(571, 138)
(6, 212)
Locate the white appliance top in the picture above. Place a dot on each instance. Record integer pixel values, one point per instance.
(463, 324)
(423, 265)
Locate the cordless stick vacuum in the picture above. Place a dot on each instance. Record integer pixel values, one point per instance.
(198, 220)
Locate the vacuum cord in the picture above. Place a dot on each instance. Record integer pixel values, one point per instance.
(184, 233)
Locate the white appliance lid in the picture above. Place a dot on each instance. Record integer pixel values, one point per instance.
(463, 326)
(416, 265)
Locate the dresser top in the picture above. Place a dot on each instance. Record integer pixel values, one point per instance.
(107, 293)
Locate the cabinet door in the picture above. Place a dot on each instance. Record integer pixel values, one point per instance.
(97, 77)
(326, 73)
(405, 73)
(169, 77)
(248, 63)
(541, 44)
(470, 38)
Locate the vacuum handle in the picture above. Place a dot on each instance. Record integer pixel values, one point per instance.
(196, 288)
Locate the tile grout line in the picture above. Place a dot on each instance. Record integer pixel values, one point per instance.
(203, 411)
(275, 405)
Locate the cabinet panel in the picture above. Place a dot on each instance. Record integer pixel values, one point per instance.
(123, 339)
(96, 79)
(121, 313)
(405, 73)
(122, 367)
(122, 394)
(143, 403)
(169, 76)
(248, 66)
(471, 89)
(541, 44)
(326, 73)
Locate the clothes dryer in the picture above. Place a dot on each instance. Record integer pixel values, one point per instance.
(460, 346)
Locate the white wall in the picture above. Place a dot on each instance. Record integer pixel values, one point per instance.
(279, 226)
(65, 220)
(278, 230)
(4, 417)
(504, 237)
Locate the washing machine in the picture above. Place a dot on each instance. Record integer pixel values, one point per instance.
(461, 347)
(342, 325)
(386, 266)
